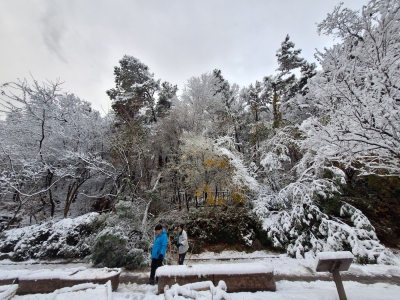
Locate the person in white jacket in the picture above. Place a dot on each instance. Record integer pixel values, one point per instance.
(182, 244)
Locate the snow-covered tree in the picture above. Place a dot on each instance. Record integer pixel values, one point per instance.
(355, 99)
(48, 137)
(358, 89)
(288, 58)
(230, 118)
(212, 170)
(281, 88)
(201, 103)
(135, 89)
(166, 96)
(255, 99)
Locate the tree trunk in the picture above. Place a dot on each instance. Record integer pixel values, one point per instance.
(179, 201)
(49, 179)
(16, 197)
(148, 206)
(275, 111)
(72, 190)
(187, 201)
(237, 139)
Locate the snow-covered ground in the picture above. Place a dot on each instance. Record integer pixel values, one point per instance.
(309, 288)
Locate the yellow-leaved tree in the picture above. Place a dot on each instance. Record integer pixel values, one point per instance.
(212, 171)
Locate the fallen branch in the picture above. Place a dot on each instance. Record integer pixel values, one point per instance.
(189, 290)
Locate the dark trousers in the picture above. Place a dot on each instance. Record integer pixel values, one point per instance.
(181, 258)
(155, 263)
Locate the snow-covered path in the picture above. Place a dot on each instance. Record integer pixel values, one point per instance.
(299, 290)
(360, 282)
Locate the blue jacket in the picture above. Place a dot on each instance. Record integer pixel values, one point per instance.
(160, 244)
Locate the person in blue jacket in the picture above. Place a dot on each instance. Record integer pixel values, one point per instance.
(158, 252)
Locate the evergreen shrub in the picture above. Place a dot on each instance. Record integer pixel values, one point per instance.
(111, 249)
(120, 242)
(225, 225)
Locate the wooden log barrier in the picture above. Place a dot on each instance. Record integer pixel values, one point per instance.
(240, 277)
(47, 281)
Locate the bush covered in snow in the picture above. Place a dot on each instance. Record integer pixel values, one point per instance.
(111, 249)
(303, 230)
(112, 239)
(227, 225)
(120, 243)
(63, 239)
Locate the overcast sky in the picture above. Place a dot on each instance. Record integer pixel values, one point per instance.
(80, 41)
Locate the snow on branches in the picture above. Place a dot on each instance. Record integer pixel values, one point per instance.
(49, 136)
(303, 230)
(66, 238)
(358, 90)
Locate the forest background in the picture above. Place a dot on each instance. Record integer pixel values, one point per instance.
(305, 160)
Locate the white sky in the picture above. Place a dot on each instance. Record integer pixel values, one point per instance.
(80, 41)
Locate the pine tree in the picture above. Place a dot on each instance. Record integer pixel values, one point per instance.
(166, 95)
(135, 88)
(288, 58)
(284, 86)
